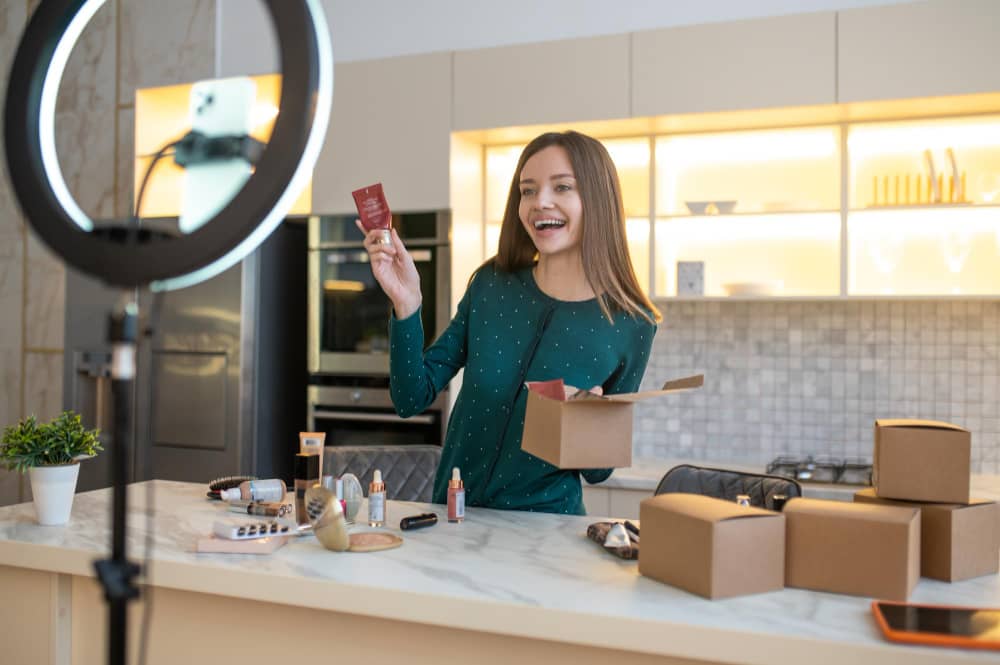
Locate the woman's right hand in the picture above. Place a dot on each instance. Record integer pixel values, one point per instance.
(393, 268)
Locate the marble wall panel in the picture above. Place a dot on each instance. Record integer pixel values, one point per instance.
(45, 303)
(164, 43)
(11, 313)
(124, 161)
(12, 18)
(85, 116)
(811, 378)
(43, 385)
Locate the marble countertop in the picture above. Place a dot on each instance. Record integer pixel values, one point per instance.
(524, 574)
(645, 474)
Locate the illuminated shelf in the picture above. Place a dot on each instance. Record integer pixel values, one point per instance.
(929, 206)
(804, 222)
(770, 213)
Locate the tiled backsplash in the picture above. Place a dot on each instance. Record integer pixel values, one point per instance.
(812, 377)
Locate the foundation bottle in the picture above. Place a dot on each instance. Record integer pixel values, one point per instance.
(306, 473)
(376, 500)
(456, 497)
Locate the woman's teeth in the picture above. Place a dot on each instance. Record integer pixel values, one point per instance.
(542, 224)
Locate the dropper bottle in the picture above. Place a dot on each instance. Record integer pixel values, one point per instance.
(376, 500)
(456, 497)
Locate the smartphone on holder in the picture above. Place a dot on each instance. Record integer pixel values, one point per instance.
(222, 107)
(939, 625)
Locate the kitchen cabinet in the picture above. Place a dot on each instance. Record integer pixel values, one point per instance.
(920, 49)
(596, 500)
(549, 82)
(613, 502)
(391, 123)
(761, 63)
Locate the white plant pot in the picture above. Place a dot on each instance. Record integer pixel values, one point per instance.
(52, 488)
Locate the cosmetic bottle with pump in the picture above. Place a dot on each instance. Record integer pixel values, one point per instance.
(456, 497)
(272, 490)
(376, 500)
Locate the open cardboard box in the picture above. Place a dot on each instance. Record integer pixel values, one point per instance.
(921, 460)
(583, 430)
(957, 541)
(853, 548)
(711, 547)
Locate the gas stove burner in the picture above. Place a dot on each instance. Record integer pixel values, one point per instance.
(823, 469)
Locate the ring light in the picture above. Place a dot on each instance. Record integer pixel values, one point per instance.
(164, 262)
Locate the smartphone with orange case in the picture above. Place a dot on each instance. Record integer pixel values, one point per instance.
(939, 625)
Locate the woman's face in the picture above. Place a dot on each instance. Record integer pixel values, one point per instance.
(550, 208)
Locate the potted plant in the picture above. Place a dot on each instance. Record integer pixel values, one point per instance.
(50, 453)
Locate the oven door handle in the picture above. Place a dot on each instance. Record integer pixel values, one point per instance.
(373, 417)
(338, 257)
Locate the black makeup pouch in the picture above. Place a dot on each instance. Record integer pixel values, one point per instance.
(725, 484)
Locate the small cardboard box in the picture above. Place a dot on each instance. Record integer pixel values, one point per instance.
(921, 460)
(957, 541)
(711, 547)
(586, 431)
(853, 548)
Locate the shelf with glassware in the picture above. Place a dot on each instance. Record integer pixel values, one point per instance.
(748, 213)
(810, 213)
(924, 215)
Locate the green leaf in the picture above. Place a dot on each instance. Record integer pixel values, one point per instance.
(61, 441)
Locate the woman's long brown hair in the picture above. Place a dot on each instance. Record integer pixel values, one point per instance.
(603, 246)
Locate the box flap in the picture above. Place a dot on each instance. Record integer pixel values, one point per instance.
(554, 389)
(706, 508)
(913, 422)
(861, 511)
(672, 386)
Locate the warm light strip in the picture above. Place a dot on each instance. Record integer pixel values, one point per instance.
(343, 285)
(908, 138)
(765, 146)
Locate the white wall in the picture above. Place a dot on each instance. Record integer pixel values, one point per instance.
(370, 29)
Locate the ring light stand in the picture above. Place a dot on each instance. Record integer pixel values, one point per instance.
(130, 258)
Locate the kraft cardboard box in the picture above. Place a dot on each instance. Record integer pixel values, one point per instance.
(852, 548)
(957, 541)
(711, 547)
(921, 460)
(586, 431)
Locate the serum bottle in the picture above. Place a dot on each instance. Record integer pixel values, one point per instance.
(456, 497)
(376, 500)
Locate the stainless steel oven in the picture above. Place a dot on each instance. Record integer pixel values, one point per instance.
(364, 415)
(348, 312)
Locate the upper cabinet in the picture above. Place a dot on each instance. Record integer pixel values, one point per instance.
(761, 63)
(945, 47)
(391, 123)
(579, 79)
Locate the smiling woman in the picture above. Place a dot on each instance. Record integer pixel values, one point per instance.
(560, 300)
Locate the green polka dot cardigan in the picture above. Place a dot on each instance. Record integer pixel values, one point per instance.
(505, 332)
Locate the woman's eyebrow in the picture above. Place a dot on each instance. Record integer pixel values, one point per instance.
(525, 181)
